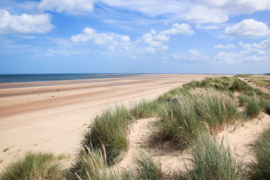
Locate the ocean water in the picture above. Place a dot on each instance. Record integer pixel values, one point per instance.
(16, 78)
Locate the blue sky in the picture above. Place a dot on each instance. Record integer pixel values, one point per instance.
(135, 36)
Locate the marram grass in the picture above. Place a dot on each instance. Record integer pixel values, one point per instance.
(260, 169)
(33, 166)
(212, 160)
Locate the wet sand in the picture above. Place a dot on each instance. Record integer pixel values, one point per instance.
(54, 119)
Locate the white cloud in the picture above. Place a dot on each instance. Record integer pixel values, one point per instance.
(150, 49)
(202, 14)
(259, 48)
(193, 56)
(157, 40)
(178, 29)
(13, 24)
(125, 38)
(151, 40)
(89, 34)
(236, 6)
(248, 28)
(164, 48)
(69, 6)
(237, 58)
(111, 48)
(153, 31)
(229, 46)
(207, 27)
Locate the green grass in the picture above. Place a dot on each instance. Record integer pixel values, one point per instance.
(260, 81)
(90, 164)
(179, 122)
(212, 160)
(187, 115)
(216, 108)
(147, 168)
(33, 166)
(109, 130)
(185, 112)
(244, 75)
(254, 105)
(261, 169)
(144, 109)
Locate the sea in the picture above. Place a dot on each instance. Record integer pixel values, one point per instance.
(18, 78)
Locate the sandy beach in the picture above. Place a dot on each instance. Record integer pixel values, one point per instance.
(51, 116)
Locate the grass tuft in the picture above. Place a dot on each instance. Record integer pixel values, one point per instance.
(144, 109)
(109, 130)
(261, 168)
(33, 166)
(212, 160)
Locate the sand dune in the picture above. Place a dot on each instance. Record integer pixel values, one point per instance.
(55, 119)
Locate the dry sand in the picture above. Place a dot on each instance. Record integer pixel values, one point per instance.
(239, 137)
(55, 120)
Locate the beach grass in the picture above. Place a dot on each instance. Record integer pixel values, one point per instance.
(109, 130)
(261, 169)
(33, 166)
(187, 114)
(144, 109)
(212, 160)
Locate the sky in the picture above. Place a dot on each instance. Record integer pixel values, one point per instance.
(134, 36)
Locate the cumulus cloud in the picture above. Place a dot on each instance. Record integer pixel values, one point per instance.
(178, 29)
(248, 28)
(89, 34)
(14, 24)
(237, 58)
(150, 49)
(69, 6)
(156, 40)
(202, 14)
(153, 31)
(125, 38)
(229, 46)
(256, 48)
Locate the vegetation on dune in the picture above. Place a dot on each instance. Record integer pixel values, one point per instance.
(254, 105)
(33, 166)
(212, 160)
(262, 81)
(146, 168)
(244, 75)
(92, 165)
(109, 130)
(187, 114)
(179, 122)
(261, 169)
(144, 109)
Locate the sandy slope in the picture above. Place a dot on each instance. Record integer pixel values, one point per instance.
(55, 120)
(240, 138)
